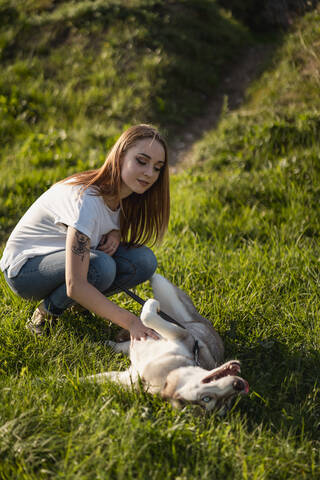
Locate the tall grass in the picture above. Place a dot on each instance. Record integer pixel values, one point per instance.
(243, 243)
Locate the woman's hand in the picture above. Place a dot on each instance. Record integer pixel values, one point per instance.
(138, 331)
(109, 243)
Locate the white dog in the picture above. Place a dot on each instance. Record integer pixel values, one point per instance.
(183, 365)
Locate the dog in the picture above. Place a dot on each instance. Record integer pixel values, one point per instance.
(183, 365)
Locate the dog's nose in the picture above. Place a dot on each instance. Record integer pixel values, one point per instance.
(238, 385)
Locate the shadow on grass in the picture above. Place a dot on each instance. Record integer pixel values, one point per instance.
(88, 326)
(284, 388)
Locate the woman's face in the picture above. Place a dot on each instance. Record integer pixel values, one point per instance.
(140, 166)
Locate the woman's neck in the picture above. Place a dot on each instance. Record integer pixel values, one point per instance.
(112, 203)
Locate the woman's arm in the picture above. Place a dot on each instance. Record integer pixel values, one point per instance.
(80, 290)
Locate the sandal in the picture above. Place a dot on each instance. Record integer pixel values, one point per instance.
(40, 320)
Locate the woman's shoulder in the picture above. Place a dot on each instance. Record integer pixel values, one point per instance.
(68, 189)
(68, 193)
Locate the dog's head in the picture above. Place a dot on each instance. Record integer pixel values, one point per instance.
(211, 390)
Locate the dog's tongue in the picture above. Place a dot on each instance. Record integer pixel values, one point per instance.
(246, 387)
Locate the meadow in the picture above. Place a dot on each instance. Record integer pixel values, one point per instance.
(243, 240)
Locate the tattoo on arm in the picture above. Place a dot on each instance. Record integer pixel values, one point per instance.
(80, 245)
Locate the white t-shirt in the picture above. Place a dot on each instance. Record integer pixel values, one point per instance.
(43, 230)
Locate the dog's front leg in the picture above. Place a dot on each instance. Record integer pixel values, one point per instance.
(127, 378)
(121, 347)
(151, 319)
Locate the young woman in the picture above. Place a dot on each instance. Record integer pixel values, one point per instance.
(84, 238)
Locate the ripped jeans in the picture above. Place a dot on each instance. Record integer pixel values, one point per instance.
(43, 277)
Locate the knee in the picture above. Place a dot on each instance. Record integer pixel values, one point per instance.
(102, 270)
(145, 262)
(134, 265)
(149, 261)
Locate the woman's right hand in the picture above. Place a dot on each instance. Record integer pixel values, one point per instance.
(110, 242)
(138, 331)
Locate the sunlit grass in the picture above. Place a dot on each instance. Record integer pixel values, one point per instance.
(243, 243)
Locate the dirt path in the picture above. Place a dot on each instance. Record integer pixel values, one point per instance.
(233, 86)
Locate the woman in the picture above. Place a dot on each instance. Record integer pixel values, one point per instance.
(83, 239)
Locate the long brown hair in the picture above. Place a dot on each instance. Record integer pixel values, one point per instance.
(143, 218)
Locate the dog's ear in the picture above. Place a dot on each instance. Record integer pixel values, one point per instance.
(177, 404)
(169, 392)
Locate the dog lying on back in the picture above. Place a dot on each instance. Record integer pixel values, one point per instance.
(182, 366)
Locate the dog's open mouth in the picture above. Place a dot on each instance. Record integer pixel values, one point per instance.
(230, 369)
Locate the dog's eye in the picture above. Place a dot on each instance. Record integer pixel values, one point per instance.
(206, 399)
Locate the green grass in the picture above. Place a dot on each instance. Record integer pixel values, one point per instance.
(243, 243)
(75, 74)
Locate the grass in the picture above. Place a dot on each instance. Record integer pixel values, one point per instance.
(243, 243)
(126, 62)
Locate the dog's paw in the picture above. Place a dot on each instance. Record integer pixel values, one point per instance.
(151, 305)
(149, 310)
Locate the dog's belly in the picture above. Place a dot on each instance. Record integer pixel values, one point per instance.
(154, 359)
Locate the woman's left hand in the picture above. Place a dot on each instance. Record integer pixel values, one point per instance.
(138, 331)
(110, 242)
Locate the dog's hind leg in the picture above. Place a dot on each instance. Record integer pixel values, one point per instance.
(151, 319)
(174, 302)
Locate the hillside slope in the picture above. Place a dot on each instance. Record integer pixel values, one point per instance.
(74, 74)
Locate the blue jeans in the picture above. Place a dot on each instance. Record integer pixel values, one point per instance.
(43, 277)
